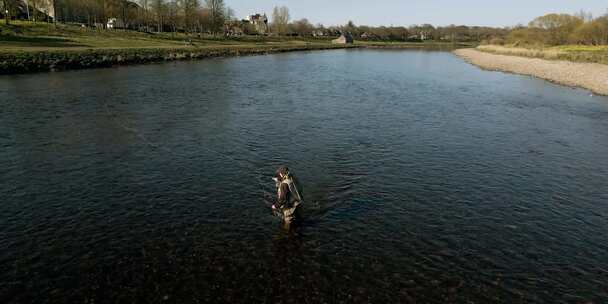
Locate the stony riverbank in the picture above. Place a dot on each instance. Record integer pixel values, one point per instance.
(28, 62)
(591, 76)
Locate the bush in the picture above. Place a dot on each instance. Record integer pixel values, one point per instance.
(592, 33)
(497, 41)
(528, 36)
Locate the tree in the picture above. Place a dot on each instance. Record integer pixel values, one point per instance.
(159, 8)
(351, 28)
(172, 16)
(35, 4)
(302, 27)
(586, 17)
(7, 9)
(217, 11)
(280, 19)
(229, 14)
(527, 36)
(594, 32)
(27, 9)
(190, 13)
(145, 11)
(559, 27)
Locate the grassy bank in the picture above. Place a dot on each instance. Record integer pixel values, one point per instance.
(23, 36)
(574, 53)
(33, 47)
(40, 61)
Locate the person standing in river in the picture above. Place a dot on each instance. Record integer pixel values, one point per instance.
(289, 193)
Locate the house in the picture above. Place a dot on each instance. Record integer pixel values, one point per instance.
(259, 22)
(114, 23)
(345, 38)
(318, 33)
(233, 29)
(369, 36)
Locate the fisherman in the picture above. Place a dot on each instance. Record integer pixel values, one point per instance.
(289, 193)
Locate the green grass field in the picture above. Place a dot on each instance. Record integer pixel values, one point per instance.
(575, 53)
(32, 47)
(23, 36)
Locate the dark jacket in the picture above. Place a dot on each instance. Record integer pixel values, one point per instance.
(289, 192)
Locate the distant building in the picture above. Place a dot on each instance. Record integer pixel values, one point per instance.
(369, 36)
(259, 22)
(318, 33)
(345, 38)
(233, 28)
(114, 23)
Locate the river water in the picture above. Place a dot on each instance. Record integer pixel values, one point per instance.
(426, 180)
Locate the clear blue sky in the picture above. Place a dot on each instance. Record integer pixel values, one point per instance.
(408, 12)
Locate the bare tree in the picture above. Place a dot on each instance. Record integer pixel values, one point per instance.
(7, 9)
(302, 27)
(585, 16)
(229, 14)
(159, 10)
(172, 15)
(35, 4)
(190, 8)
(27, 9)
(558, 26)
(280, 19)
(217, 10)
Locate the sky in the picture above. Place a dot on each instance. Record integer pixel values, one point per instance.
(408, 12)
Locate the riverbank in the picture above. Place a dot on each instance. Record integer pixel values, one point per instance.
(27, 47)
(427, 45)
(574, 53)
(591, 76)
(41, 59)
(54, 60)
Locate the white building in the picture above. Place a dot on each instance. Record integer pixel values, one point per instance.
(114, 23)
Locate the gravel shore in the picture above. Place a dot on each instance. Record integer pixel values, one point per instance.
(591, 76)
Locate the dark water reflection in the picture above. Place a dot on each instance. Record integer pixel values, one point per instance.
(428, 180)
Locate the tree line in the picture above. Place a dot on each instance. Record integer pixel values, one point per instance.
(189, 16)
(561, 29)
(213, 16)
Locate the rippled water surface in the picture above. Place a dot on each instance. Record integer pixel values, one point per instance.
(427, 180)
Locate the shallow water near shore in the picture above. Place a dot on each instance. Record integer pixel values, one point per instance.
(427, 180)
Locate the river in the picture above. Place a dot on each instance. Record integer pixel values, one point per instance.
(426, 180)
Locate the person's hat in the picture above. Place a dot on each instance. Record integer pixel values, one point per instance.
(283, 170)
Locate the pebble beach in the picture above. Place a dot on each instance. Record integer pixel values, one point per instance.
(591, 76)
